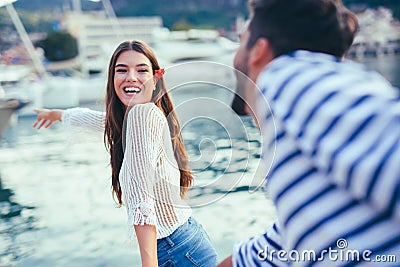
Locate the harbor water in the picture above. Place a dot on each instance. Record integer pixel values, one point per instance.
(56, 207)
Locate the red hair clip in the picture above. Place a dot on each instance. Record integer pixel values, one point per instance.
(159, 73)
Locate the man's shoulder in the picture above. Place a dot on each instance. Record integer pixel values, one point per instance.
(309, 69)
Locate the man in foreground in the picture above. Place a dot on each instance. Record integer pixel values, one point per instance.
(336, 153)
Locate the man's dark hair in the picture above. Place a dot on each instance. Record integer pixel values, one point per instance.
(316, 25)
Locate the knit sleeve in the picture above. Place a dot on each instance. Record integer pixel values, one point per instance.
(83, 118)
(143, 144)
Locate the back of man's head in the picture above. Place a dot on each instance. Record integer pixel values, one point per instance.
(316, 25)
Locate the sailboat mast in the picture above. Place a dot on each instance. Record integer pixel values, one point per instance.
(76, 6)
(25, 39)
(108, 8)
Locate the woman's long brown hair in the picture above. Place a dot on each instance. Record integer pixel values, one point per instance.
(115, 112)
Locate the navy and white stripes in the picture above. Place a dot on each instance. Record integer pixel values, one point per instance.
(336, 168)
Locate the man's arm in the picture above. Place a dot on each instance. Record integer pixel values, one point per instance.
(227, 262)
(258, 251)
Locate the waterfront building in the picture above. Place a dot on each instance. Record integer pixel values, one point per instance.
(379, 34)
(99, 34)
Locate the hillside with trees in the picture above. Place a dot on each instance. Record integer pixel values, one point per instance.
(43, 16)
(193, 13)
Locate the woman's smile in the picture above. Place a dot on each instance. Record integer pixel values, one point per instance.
(133, 78)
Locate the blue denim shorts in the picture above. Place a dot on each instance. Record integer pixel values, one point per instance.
(189, 245)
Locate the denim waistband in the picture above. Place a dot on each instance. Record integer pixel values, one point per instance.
(171, 239)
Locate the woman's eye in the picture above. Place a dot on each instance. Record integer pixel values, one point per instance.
(120, 70)
(143, 70)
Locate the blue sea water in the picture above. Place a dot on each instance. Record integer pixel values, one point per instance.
(388, 66)
(56, 207)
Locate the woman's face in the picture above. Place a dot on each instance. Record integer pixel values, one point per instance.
(133, 78)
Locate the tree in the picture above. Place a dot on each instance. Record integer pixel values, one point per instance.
(182, 25)
(59, 46)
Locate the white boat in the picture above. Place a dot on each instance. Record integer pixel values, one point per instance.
(87, 88)
(194, 44)
(378, 35)
(21, 82)
(33, 83)
(7, 109)
(83, 89)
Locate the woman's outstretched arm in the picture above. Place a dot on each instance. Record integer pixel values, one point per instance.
(74, 117)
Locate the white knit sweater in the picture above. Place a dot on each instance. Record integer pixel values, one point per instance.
(149, 175)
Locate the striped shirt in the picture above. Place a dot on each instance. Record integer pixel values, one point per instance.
(149, 175)
(334, 137)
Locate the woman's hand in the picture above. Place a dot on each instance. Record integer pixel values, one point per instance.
(46, 117)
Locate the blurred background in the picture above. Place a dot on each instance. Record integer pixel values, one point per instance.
(49, 46)
(56, 207)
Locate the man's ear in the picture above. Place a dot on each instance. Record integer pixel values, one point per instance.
(260, 53)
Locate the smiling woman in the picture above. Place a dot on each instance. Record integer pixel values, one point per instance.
(150, 170)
